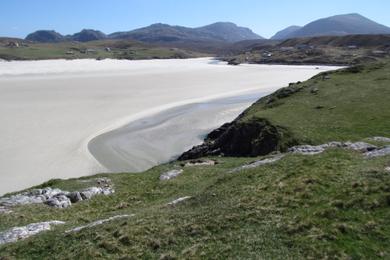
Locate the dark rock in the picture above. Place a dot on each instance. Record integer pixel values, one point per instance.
(288, 91)
(379, 152)
(234, 62)
(249, 138)
(314, 90)
(75, 197)
(59, 201)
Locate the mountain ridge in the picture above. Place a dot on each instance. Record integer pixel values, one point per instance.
(158, 32)
(338, 25)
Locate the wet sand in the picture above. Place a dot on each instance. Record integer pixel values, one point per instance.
(51, 110)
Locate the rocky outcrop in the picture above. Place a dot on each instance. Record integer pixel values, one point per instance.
(258, 163)
(378, 152)
(98, 222)
(380, 139)
(199, 162)
(316, 149)
(55, 197)
(5, 210)
(19, 233)
(170, 175)
(368, 150)
(249, 138)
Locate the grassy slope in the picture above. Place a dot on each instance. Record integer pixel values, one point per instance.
(120, 49)
(348, 106)
(335, 204)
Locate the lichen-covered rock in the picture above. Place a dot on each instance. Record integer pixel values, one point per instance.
(5, 210)
(259, 163)
(55, 197)
(19, 233)
(170, 174)
(104, 182)
(93, 191)
(200, 162)
(30, 197)
(98, 222)
(380, 139)
(378, 153)
(59, 201)
(360, 146)
(74, 197)
(316, 149)
(307, 149)
(179, 200)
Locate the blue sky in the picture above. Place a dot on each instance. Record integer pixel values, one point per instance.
(265, 17)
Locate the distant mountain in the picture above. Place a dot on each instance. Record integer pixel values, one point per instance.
(229, 32)
(45, 36)
(87, 35)
(340, 25)
(158, 33)
(283, 34)
(154, 33)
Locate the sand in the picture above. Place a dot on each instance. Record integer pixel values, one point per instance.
(51, 110)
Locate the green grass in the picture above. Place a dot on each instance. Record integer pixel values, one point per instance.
(119, 50)
(348, 106)
(335, 204)
(330, 205)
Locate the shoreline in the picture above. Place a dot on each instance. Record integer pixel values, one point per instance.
(103, 147)
(65, 111)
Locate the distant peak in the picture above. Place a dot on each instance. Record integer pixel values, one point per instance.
(159, 25)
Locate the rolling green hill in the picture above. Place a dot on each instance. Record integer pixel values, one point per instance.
(114, 49)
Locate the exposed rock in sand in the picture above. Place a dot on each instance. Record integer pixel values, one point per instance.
(98, 222)
(179, 200)
(18, 233)
(259, 163)
(170, 175)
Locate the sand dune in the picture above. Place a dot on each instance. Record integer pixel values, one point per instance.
(50, 110)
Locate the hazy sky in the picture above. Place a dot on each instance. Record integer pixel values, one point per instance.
(265, 17)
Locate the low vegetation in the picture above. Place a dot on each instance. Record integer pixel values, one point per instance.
(341, 50)
(331, 205)
(114, 49)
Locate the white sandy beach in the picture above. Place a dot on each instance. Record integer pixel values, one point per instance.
(50, 110)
